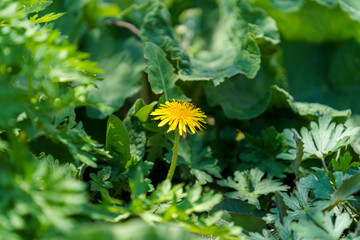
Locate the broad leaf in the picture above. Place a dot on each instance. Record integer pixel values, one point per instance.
(161, 73)
(121, 80)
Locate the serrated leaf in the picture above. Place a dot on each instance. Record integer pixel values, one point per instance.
(47, 18)
(261, 152)
(344, 163)
(249, 186)
(322, 226)
(320, 183)
(100, 181)
(346, 189)
(321, 140)
(297, 202)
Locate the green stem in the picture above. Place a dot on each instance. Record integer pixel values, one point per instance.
(324, 164)
(174, 156)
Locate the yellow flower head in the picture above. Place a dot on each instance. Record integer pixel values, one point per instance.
(180, 114)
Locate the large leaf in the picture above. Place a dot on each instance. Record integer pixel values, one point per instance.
(309, 21)
(243, 98)
(352, 7)
(234, 49)
(161, 73)
(156, 28)
(121, 80)
(311, 64)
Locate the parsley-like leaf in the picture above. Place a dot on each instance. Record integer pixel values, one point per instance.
(249, 186)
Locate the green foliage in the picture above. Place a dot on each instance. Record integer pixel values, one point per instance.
(322, 226)
(47, 18)
(199, 159)
(242, 214)
(118, 140)
(41, 200)
(161, 73)
(322, 139)
(344, 163)
(261, 152)
(82, 158)
(135, 229)
(249, 186)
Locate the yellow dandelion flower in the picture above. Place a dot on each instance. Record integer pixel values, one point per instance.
(181, 115)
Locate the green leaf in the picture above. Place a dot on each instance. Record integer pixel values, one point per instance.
(35, 5)
(238, 18)
(308, 21)
(352, 7)
(144, 112)
(234, 49)
(136, 130)
(297, 202)
(264, 236)
(118, 140)
(161, 73)
(249, 186)
(133, 229)
(323, 139)
(344, 163)
(226, 62)
(121, 80)
(347, 188)
(288, 5)
(73, 136)
(261, 152)
(46, 18)
(101, 179)
(198, 158)
(156, 28)
(322, 226)
(242, 214)
(320, 183)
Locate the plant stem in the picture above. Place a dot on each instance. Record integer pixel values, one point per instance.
(174, 156)
(324, 164)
